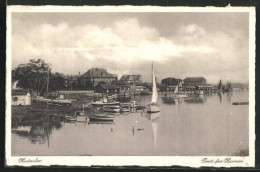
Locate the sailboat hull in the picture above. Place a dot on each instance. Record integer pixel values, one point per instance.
(153, 109)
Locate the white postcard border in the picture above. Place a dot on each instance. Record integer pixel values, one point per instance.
(191, 161)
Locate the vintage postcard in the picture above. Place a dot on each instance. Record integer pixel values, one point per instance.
(130, 85)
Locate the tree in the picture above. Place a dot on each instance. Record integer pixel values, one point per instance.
(56, 82)
(32, 75)
(170, 81)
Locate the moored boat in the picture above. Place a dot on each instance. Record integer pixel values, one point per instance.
(70, 118)
(103, 103)
(240, 103)
(54, 101)
(112, 109)
(101, 117)
(101, 122)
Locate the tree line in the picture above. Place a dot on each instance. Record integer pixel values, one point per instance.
(34, 76)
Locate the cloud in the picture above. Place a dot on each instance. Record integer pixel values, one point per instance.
(127, 46)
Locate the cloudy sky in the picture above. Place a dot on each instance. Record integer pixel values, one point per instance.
(212, 45)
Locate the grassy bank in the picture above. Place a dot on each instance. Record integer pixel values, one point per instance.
(41, 109)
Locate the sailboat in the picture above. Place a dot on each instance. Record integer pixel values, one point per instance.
(153, 108)
(177, 93)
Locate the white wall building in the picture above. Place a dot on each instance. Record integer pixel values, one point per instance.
(21, 97)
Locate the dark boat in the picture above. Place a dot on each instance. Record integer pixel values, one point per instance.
(240, 103)
(101, 117)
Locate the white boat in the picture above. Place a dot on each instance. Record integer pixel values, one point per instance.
(104, 102)
(153, 108)
(57, 101)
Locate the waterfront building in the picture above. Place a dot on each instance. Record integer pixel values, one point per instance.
(21, 98)
(94, 76)
(205, 87)
(194, 81)
(107, 89)
(124, 86)
(131, 79)
(70, 81)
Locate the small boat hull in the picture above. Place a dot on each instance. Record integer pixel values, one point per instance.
(101, 122)
(101, 117)
(111, 110)
(240, 103)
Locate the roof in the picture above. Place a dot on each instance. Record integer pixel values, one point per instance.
(192, 79)
(109, 86)
(132, 77)
(97, 72)
(19, 92)
(71, 77)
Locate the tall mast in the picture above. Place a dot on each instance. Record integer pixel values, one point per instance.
(152, 72)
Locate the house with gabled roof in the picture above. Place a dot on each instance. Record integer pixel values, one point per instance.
(96, 75)
(132, 79)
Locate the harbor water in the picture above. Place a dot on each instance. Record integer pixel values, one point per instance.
(194, 126)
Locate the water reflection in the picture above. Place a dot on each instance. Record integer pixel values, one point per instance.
(37, 129)
(195, 99)
(168, 100)
(153, 117)
(220, 96)
(229, 96)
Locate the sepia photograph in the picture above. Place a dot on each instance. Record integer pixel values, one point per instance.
(130, 86)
